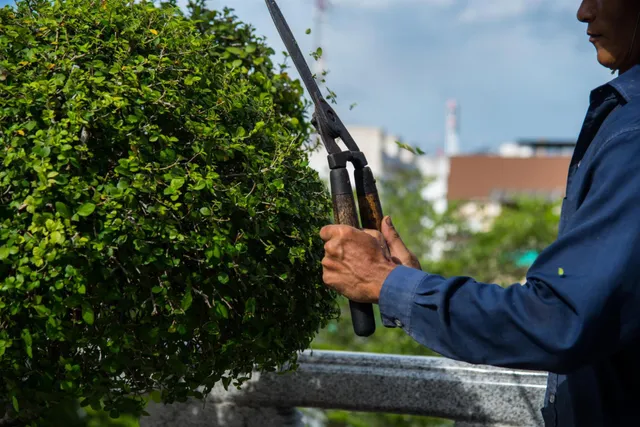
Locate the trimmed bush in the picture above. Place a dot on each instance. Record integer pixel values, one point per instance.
(158, 218)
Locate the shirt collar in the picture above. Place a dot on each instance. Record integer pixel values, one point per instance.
(627, 84)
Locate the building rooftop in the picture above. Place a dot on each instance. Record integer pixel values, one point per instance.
(546, 143)
(489, 177)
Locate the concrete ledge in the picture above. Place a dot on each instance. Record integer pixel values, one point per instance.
(469, 394)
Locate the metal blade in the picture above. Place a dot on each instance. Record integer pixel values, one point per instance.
(294, 51)
(328, 124)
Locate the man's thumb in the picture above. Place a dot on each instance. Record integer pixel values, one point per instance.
(395, 243)
(399, 252)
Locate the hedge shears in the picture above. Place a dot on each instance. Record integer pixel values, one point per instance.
(330, 127)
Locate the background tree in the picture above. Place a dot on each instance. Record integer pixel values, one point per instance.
(503, 254)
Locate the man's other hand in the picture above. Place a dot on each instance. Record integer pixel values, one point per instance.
(400, 254)
(356, 263)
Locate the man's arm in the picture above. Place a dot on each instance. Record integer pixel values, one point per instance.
(553, 322)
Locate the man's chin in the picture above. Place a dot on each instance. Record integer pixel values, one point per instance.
(606, 60)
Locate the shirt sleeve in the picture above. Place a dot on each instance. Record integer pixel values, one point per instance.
(554, 322)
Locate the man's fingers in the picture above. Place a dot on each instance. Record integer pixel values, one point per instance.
(328, 232)
(381, 241)
(334, 249)
(328, 263)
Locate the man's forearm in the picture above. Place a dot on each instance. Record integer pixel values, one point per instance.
(484, 323)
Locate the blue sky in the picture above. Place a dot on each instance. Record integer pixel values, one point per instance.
(518, 68)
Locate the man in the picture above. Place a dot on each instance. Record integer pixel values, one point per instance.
(578, 314)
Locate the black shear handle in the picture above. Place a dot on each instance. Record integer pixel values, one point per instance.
(344, 212)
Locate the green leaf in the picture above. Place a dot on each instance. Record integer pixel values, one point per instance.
(187, 299)
(26, 337)
(205, 211)
(86, 209)
(14, 400)
(226, 381)
(278, 184)
(123, 184)
(406, 147)
(4, 252)
(250, 306)
(56, 237)
(221, 310)
(223, 278)
(63, 210)
(87, 315)
(28, 342)
(177, 183)
(235, 50)
(308, 31)
(42, 310)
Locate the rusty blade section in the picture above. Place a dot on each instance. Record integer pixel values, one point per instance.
(370, 211)
(368, 199)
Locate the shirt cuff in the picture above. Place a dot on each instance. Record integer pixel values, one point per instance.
(397, 296)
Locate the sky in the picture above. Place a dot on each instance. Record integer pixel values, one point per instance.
(518, 68)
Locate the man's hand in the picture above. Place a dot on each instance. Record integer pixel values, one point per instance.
(356, 263)
(399, 252)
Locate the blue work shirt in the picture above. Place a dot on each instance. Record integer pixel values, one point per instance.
(582, 323)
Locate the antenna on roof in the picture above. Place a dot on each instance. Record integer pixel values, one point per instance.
(452, 139)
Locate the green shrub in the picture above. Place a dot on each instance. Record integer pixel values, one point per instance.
(158, 218)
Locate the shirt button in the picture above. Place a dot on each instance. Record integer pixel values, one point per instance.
(398, 323)
(552, 398)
